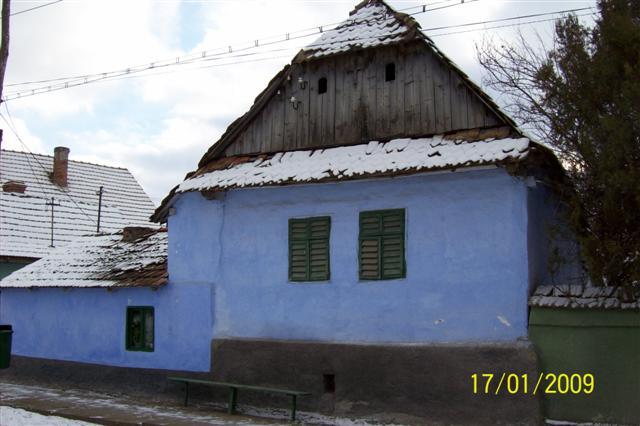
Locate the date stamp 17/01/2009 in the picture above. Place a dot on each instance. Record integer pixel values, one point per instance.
(546, 383)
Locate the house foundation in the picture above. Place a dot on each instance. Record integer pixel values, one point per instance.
(412, 383)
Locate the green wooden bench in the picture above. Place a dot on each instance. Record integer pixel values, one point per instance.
(233, 394)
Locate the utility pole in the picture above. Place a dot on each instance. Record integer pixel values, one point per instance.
(4, 46)
(99, 193)
(53, 204)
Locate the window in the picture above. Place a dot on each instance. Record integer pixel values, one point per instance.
(329, 381)
(381, 245)
(322, 85)
(309, 249)
(139, 328)
(390, 72)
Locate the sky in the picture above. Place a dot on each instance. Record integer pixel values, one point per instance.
(159, 123)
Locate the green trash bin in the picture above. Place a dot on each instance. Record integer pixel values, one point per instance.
(5, 345)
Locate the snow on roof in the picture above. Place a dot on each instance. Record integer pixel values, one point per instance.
(369, 25)
(98, 261)
(584, 297)
(349, 162)
(25, 219)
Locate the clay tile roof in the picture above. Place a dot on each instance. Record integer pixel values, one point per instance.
(99, 261)
(25, 218)
(398, 156)
(585, 297)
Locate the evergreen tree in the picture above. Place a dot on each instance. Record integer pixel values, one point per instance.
(583, 98)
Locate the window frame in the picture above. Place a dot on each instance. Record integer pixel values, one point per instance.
(128, 322)
(380, 235)
(308, 239)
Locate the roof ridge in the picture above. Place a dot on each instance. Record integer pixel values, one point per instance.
(70, 161)
(407, 29)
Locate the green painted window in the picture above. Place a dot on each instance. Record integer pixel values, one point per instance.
(309, 249)
(140, 328)
(381, 245)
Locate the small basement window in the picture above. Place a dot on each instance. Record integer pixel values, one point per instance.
(322, 85)
(140, 330)
(390, 72)
(329, 382)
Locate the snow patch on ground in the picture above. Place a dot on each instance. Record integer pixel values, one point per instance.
(117, 408)
(10, 416)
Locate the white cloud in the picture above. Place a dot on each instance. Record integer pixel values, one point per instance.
(29, 140)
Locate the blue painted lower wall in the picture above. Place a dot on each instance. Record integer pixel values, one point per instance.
(88, 325)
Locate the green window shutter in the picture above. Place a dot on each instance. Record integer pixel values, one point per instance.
(140, 328)
(381, 245)
(309, 249)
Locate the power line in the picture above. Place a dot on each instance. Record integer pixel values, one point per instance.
(128, 73)
(230, 49)
(505, 26)
(535, 15)
(36, 7)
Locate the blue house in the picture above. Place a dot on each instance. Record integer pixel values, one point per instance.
(370, 230)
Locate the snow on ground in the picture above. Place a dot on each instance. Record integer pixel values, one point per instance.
(118, 409)
(10, 416)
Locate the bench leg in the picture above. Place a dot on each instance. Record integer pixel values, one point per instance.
(293, 407)
(233, 398)
(186, 394)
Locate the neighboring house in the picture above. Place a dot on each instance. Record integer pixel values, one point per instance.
(32, 182)
(370, 230)
(86, 302)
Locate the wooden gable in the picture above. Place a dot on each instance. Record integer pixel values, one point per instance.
(429, 95)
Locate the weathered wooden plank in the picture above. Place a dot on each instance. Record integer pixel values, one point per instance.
(490, 119)
(328, 111)
(256, 135)
(290, 116)
(302, 117)
(459, 118)
(397, 92)
(475, 110)
(427, 97)
(315, 104)
(277, 125)
(343, 72)
(411, 97)
(383, 89)
(370, 98)
(357, 111)
(441, 95)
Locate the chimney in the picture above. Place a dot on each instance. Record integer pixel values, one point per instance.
(16, 186)
(60, 165)
(133, 233)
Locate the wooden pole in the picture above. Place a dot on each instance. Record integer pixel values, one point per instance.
(100, 192)
(53, 205)
(4, 47)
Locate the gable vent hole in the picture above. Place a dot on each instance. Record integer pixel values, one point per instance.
(329, 381)
(390, 72)
(322, 86)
